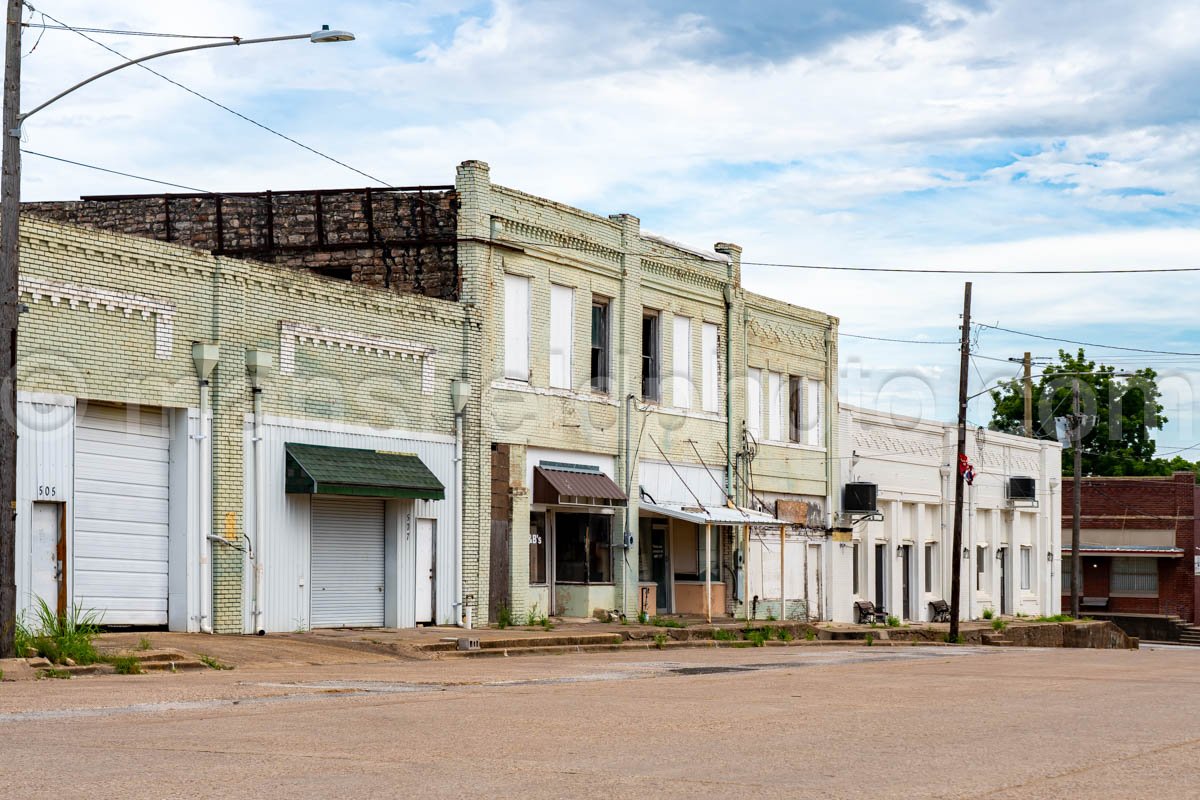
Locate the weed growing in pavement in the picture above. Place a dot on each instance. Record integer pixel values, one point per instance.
(988, 613)
(643, 617)
(810, 636)
(956, 640)
(660, 640)
(757, 638)
(893, 622)
(144, 643)
(126, 665)
(1056, 618)
(212, 663)
(784, 635)
(504, 617)
(666, 622)
(870, 640)
(770, 616)
(56, 673)
(999, 625)
(545, 622)
(59, 637)
(531, 616)
(725, 635)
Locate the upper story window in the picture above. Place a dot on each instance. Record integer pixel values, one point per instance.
(754, 402)
(681, 362)
(651, 376)
(797, 429)
(815, 413)
(776, 405)
(710, 392)
(562, 335)
(600, 344)
(516, 327)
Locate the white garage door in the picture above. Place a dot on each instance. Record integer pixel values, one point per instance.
(347, 562)
(119, 556)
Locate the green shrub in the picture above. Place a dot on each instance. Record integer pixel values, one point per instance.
(757, 638)
(660, 640)
(893, 622)
(784, 635)
(810, 635)
(126, 665)
(643, 617)
(725, 635)
(988, 613)
(999, 625)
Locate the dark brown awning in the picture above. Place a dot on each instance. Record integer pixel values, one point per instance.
(575, 487)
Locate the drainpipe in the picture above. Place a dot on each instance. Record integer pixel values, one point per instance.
(727, 291)
(257, 362)
(460, 392)
(628, 538)
(831, 412)
(204, 357)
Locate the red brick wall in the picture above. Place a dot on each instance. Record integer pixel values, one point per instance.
(1132, 504)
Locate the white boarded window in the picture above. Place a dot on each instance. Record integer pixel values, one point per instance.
(681, 362)
(754, 402)
(815, 410)
(710, 391)
(776, 405)
(562, 330)
(516, 327)
(1026, 567)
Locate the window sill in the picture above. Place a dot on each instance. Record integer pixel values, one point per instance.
(511, 385)
(820, 448)
(1135, 595)
(711, 416)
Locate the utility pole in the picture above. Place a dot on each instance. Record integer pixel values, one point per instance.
(1027, 361)
(1076, 559)
(955, 557)
(10, 209)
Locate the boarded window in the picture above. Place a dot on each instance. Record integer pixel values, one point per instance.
(710, 389)
(980, 568)
(776, 405)
(857, 567)
(796, 426)
(562, 335)
(929, 568)
(754, 402)
(681, 362)
(1134, 576)
(516, 327)
(1026, 567)
(815, 413)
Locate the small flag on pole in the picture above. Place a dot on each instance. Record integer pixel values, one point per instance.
(967, 469)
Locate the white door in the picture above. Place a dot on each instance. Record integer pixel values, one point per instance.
(424, 582)
(120, 543)
(47, 569)
(347, 566)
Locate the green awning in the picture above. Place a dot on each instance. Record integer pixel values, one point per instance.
(316, 469)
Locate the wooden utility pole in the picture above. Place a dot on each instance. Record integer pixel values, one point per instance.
(1076, 560)
(10, 209)
(955, 557)
(1027, 361)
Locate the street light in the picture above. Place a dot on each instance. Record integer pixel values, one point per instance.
(10, 211)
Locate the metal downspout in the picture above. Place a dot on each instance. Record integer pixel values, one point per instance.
(204, 511)
(260, 625)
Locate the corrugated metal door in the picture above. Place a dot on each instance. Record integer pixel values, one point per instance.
(347, 562)
(121, 513)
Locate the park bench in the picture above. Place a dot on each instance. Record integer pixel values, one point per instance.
(866, 612)
(1095, 603)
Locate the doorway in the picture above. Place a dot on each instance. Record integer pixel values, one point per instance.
(49, 556)
(425, 577)
(1002, 557)
(906, 579)
(660, 567)
(881, 561)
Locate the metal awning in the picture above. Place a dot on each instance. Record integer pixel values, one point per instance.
(712, 515)
(567, 485)
(1125, 551)
(316, 469)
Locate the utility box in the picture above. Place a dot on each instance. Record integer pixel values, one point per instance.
(1022, 488)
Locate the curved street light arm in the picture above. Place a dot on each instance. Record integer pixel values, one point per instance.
(237, 43)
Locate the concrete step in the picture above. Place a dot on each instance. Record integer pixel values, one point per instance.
(996, 640)
(533, 642)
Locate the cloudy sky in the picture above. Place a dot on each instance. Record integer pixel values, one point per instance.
(861, 133)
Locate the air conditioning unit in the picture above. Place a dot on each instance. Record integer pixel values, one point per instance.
(1022, 488)
(859, 498)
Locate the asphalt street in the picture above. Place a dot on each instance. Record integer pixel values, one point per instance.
(778, 722)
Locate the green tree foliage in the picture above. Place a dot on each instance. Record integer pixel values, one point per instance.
(1120, 414)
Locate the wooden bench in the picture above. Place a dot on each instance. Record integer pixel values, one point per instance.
(939, 611)
(866, 612)
(1098, 603)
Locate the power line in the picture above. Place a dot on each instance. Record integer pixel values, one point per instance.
(112, 171)
(219, 105)
(888, 339)
(1086, 344)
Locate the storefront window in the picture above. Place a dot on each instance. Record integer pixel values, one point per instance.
(537, 547)
(582, 548)
(688, 554)
(1137, 576)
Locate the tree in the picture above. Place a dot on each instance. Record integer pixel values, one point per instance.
(1119, 414)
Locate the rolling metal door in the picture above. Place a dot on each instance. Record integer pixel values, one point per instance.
(119, 551)
(347, 562)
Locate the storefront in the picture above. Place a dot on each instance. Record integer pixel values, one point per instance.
(572, 522)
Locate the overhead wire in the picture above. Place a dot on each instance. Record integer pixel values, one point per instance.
(120, 32)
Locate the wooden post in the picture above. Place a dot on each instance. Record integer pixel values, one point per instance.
(10, 211)
(955, 555)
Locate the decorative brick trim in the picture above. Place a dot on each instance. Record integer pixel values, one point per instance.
(94, 297)
(292, 332)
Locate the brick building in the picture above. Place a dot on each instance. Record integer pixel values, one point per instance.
(1137, 542)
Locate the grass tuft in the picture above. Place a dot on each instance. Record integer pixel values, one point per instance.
(988, 613)
(660, 640)
(666, 622)
(126, 665)
(59, 637)
(893, 622)
(212, 663)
